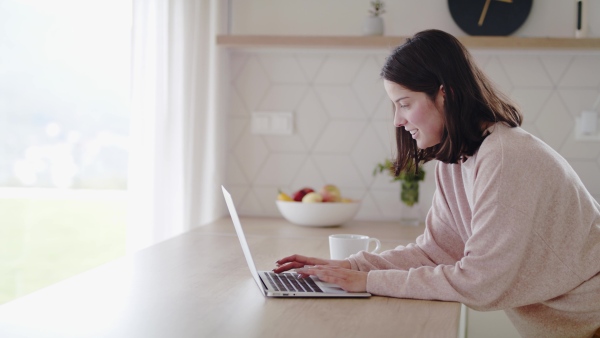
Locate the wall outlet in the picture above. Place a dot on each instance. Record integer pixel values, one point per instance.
(586, 127)
(272, 123)
(589, 122)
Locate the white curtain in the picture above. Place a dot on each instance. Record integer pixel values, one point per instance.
(175, 150)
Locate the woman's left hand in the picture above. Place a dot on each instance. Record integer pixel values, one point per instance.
(349, 280)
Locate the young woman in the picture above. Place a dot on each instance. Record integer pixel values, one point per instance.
(511, 225)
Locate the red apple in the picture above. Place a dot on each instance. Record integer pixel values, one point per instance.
(330, 193)
(298, 195)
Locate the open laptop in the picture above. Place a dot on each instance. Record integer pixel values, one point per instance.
(286, 284)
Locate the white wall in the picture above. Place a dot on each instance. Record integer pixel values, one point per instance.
(343, 123)
(555, 18)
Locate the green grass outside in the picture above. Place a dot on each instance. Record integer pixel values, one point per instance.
(43, 241)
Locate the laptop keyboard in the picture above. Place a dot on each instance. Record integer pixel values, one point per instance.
(292, 282)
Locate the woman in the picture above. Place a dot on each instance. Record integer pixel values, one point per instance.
(511, 225)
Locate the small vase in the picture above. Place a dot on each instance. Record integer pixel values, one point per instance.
(409, 192)
(410, 211)
(410, 215)
(373, 25)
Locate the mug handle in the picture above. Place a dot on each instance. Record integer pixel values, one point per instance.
(377, 244)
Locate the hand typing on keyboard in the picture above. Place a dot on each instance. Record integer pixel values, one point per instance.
(330, 271)
(299, 261)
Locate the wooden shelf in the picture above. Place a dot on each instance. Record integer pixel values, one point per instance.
(387, 42)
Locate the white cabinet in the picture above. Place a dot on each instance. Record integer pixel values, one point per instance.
(492, 324)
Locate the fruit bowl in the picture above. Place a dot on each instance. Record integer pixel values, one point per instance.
(318, 214)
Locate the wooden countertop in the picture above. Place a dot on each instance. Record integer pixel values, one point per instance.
(198, 285)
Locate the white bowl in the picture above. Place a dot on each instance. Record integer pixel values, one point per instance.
(318, 214)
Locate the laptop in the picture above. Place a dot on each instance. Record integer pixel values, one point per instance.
(287, 284)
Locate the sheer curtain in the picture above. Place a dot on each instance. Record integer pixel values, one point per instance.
(175, 150)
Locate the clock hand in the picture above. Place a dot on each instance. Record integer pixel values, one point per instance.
(484, 12)
(485, 9)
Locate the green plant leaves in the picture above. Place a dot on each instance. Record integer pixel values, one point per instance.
(409, 193)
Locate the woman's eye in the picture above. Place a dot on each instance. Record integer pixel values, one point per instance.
(403, 106)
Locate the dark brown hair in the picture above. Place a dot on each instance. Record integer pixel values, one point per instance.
(433, 58)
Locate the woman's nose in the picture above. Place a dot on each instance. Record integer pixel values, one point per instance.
(399, 121)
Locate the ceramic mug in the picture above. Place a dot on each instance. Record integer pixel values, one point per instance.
(341, 246)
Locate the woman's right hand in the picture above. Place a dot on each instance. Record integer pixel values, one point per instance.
(299, 261)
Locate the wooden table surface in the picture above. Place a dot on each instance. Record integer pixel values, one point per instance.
(198, 285)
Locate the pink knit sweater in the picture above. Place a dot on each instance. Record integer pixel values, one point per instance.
(511, 228)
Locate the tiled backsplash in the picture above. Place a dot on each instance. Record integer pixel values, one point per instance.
(343, 121)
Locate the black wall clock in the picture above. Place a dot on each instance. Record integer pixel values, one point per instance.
(489, 17)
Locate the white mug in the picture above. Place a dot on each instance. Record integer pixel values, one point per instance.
(341, 246)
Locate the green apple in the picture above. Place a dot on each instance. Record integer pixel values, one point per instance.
(330, 193)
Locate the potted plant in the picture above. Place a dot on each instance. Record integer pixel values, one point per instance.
(374, 22)
(409, 188)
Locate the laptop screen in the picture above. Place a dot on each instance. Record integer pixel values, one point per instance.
(240, 233)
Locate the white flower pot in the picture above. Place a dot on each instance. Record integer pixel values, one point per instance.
(373, 25)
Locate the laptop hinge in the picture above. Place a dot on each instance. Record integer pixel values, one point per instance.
(263, 283)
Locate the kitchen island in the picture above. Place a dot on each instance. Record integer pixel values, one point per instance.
(198, 285)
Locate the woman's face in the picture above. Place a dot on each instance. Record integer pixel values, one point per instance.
(419, 115)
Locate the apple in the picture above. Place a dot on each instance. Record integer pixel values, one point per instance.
(312, 197)
(298, 195)
(330, 193)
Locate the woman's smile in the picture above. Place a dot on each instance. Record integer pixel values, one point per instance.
(413, 132)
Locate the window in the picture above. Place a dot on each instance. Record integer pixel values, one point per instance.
(64, 121)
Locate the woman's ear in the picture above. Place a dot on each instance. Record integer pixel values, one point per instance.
(443, 90)
(441, 97)
(442, 93)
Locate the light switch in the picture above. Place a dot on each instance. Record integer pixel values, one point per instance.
(260, 123)
(272, 123)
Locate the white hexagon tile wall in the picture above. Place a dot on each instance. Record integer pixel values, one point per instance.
(343, 121)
